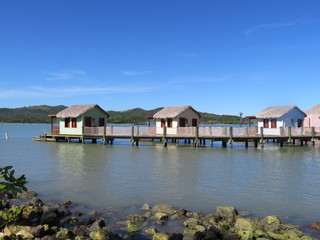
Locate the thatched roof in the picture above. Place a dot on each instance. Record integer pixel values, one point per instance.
(172, 112)
(75, 111)
(314, 110)
(276, 112)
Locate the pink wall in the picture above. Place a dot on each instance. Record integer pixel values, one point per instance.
(312, 120)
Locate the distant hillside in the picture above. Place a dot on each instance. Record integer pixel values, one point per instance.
(34, 114)
(39, 114)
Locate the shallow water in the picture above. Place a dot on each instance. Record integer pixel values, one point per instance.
(269, 181)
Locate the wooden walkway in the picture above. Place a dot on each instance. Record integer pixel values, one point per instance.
(190, 135)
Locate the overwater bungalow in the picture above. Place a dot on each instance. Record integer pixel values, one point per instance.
(73, 119)
(313, 117)
(176, 117)
(273, 118)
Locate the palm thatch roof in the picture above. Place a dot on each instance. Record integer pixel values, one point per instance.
(75, 111)
(314, 110)
(276, 112)
(172, 112)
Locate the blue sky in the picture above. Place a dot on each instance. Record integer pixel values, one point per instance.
(222, 57)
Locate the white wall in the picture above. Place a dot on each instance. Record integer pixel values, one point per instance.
(188, 114)
(95, 113)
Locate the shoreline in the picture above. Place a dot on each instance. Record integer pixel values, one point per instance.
(40, 220)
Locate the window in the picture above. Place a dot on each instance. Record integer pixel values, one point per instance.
(74, 122)
(163, 123)
(101, 122)
(266, 123)
(67, 122)
(273, 123)
(169, 122)
(300, 122)
(194, 122)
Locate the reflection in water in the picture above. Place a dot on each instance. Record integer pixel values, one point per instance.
(281, 181)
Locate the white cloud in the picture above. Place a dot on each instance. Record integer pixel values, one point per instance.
(137, 73)
(64, 75)
(36, 91)
(270, 27)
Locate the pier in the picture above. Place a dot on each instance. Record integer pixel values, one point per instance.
(196, 136)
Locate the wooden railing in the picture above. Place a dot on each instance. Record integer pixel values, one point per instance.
(196, 132)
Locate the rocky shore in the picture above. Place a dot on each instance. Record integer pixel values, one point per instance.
(28, 217)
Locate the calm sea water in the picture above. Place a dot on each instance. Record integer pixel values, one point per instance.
(269, 181)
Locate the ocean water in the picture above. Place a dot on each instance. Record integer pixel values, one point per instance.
(264, 181)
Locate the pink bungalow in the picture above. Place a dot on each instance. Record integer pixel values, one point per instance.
(313, 117)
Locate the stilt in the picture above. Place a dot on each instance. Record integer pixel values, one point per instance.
(281, 143)
(255, 144)
(246, 143)
(211, 143)
(224, 144)
(137, 142)
(301, 143)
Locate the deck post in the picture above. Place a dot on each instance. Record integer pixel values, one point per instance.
(197, 136)
(82, 135)
(104, 135)
(281, 131)
(290, 136)
(261, 136)
(313, 133)
(164, 137)
(230, 136)
(132, 135)
(246, 143)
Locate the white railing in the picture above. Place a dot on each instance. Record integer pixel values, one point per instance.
(93, 130)
(202, 132)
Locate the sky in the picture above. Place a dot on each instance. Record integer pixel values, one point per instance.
(219, 56)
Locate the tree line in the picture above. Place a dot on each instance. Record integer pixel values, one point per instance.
(39, 114)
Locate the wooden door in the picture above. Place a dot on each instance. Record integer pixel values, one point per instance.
(87, 122)
(182, 122)
(101, 122)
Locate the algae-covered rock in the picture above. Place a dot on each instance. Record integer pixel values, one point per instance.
(136, 218)
(191, 223)
(24, 234)
(151, 231)
(244, 224)
(271, 223)
(160, 236)
(161, 216)
(226, 211)
(246, 235)
(97, 225)
(132, 227)
(199, 228)
(197, 215)
(164, 208)
(64, 233)
(278, 236)
(99, 235)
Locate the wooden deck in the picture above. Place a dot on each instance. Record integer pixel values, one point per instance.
(190, 135)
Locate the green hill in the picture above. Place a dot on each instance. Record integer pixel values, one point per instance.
(39, 114)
